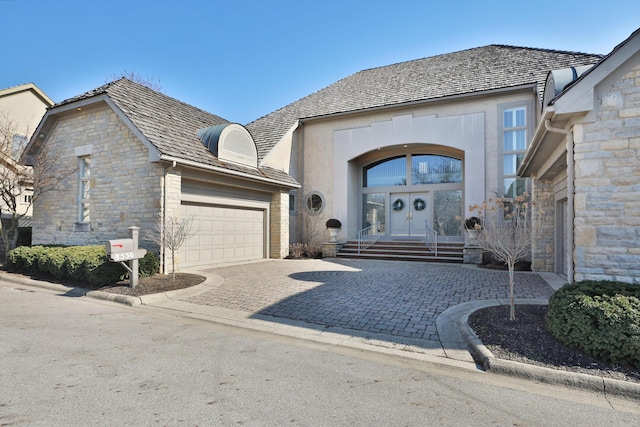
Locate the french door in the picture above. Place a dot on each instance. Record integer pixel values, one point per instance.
(409, 214)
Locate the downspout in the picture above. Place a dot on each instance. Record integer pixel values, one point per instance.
(570, 195)
(163, 215)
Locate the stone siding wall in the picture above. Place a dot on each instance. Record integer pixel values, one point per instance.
(607, 200)
(173, 187)
(542, 221)
(279, 225)
(125, 186)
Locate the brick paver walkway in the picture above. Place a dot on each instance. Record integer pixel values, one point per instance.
(388, 297)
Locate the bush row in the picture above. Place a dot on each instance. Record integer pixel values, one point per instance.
(600, 318)
(86, 264)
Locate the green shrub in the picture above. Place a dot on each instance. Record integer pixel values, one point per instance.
(83, 264)
(149, 265)
(600, 318)
(24, 258)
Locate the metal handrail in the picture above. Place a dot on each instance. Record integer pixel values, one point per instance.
(431, 238)
(368, 236)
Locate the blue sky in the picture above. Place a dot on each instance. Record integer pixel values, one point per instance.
(242, 59)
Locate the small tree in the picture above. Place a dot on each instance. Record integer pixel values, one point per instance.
(147, 81)
(171, 235)
(505, 230)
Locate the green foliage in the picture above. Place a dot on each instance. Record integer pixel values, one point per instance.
(600, 318)
(149, 265)
(83, 264)
(24, 258)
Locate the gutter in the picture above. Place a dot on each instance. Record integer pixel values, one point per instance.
(197, 165)
(570, 194)
(414, 103)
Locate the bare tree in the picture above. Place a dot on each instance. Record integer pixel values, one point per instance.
(171, 235)
(505, 230)
(147, 81)
(22, 184)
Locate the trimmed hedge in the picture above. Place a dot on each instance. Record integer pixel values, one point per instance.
(600, 318)
(88, 264)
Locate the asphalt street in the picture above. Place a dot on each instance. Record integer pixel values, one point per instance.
(70, 361)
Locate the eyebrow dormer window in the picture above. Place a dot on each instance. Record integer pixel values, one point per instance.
(230, 142)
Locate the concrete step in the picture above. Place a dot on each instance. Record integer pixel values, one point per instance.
(404, 250)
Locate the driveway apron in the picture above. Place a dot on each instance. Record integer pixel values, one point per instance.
(394, 298)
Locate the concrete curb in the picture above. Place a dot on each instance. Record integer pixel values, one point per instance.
(459, 342)
(211, 280)
(489, 362)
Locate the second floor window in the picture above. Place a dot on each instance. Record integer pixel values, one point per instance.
(514, 137)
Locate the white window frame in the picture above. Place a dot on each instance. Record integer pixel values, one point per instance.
(83, 219)
(528, 114)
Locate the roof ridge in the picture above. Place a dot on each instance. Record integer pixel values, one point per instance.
(542, 49)
(164, 95)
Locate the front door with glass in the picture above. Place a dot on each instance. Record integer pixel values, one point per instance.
(409, 214)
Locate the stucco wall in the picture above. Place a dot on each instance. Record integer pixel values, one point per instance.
(24, 109)
(607, 181)
(125, 187)
(329, 146)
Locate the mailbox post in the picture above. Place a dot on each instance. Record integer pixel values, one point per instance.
(120, 250)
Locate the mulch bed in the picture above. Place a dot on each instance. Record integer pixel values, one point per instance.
(146, 285)
(527, 340)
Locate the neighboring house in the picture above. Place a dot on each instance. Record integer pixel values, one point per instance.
(413, 144)
(585, 152)
(21, 108)
(141, 158)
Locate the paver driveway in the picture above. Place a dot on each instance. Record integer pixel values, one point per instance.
(382, 297)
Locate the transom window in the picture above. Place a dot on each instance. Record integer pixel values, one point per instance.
(433, 169)
(423, 168)
(386, 172)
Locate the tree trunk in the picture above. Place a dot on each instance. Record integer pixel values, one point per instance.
(512, 306)
(173, 264)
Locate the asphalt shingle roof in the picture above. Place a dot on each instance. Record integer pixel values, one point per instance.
(171, 125)
(459, 73)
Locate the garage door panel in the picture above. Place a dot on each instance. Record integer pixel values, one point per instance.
(225, 234)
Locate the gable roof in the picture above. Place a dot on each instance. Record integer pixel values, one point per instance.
(27, 87)
(466, 72)
(170, 126)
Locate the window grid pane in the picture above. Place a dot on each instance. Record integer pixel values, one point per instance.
(373, 210)
(514, 130)
(387, 172)
(84, 189)
(434, 169)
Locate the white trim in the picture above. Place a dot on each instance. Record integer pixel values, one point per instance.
(226, 171)
(224, 201)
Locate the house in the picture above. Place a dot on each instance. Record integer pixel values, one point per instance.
(411, 145)
(142, 158)
(21, 108)
(408, 146)
(585, 152)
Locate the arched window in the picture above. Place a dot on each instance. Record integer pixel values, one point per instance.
(386, 172)
(434, 169)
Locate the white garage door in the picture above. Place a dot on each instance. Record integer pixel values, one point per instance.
(224, 234)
